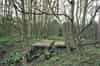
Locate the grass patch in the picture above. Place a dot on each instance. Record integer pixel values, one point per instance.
(56, 38)
(52, 37)
(6, 40)
(98, 51)
(36, 37)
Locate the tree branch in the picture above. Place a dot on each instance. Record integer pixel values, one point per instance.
(91, 21)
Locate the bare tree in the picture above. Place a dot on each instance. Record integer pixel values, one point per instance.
(72, 14)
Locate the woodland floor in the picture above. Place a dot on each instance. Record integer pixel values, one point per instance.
(91, 55)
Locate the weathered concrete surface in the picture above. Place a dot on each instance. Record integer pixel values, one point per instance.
(46, 43)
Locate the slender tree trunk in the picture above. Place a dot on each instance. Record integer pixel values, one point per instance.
(66, 33)
(24, 33)
(29, 24)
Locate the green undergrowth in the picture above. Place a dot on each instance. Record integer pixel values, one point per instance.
(12, 59)
(6, 40)
(62, 60)
(73, 60)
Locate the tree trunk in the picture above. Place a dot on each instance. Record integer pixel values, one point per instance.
(67, 36)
